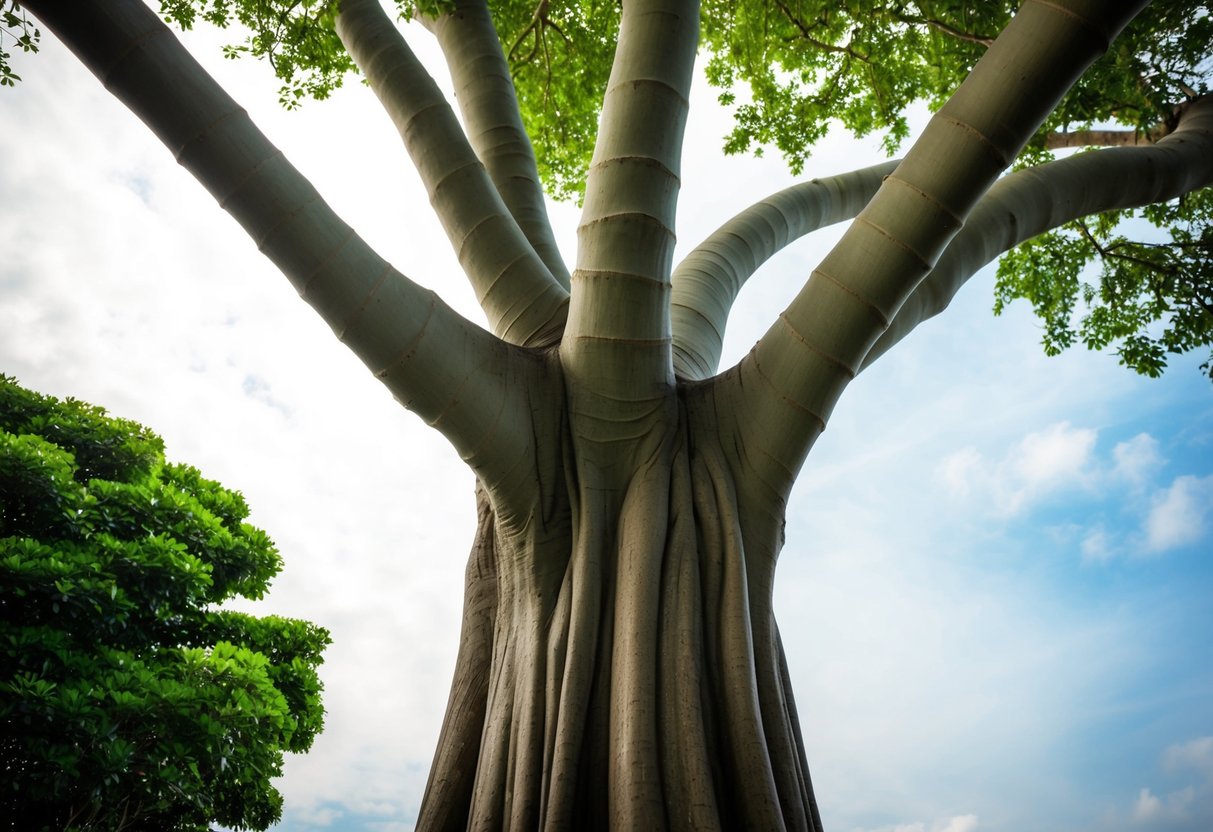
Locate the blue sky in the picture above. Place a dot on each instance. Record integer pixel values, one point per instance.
(994, 591)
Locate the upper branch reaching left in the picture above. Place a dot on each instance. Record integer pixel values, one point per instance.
(524, 302)
(471, 386)
(485, 93)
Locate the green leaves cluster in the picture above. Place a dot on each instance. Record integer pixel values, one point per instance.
(560, 56)
(16, 31)
(1161, 59)
(296, 37)
(1091, 284)
(127, 700)
(793, 68)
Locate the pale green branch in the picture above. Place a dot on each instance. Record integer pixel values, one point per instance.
(524, 303)
(485, 93)
(707, 281)
(795, 374)
(473, 387)
(1039, 199)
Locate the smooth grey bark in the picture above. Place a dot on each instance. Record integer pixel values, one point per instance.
(800, 366)
(620, 666)
(709, 278)
(1039, 199)
(1018, 207)
(524, 302)
(485, 93)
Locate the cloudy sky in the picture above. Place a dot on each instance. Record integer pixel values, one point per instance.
(995, 589)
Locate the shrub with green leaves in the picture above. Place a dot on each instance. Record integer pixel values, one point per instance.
(128, 699)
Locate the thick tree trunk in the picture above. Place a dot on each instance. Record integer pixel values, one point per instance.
(620, 665)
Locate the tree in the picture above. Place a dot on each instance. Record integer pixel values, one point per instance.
(660, 494)
(129, 701)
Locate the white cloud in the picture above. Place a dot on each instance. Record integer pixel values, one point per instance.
(1148, 807)
(1150, 810)
(1054, 456)
(1096, 546)
(1042, 463)
(1177, 514)
(323, 816)
(959, 470)
(958, 823)
(1194, 754)
(1137, 459)
(1057, 460)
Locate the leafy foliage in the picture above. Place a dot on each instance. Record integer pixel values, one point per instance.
(1161, 60)
(16, 27)
(1150, 299)
(127, 701)
(297, 38)
(791, 68)
(560, 55)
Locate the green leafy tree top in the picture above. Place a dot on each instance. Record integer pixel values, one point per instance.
(128, 700)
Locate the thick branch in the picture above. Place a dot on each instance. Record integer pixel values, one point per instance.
(1102, 138)
(484, 91)
(797, 371)
(469, 385)
(1036, 200)
(707, 281)
(524, 303)
(618, 337)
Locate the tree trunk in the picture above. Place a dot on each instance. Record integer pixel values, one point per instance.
(620, 666)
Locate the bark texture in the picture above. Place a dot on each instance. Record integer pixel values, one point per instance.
(620, 666)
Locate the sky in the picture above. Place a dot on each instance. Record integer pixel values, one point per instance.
(994, 592)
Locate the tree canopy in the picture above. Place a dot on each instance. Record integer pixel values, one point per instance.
(129, 700)
(792, 71)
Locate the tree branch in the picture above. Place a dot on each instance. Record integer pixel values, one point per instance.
(807, 36)
(1033, 201)
(1103, 138)
(799, 368)
(707, 281)
(619, 324)
(485, 93)
(524, 303)
(469, 385)
(943, 28)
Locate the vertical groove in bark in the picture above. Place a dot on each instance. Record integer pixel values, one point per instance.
(635, 678)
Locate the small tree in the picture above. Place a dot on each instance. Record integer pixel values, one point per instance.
(127, 701)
